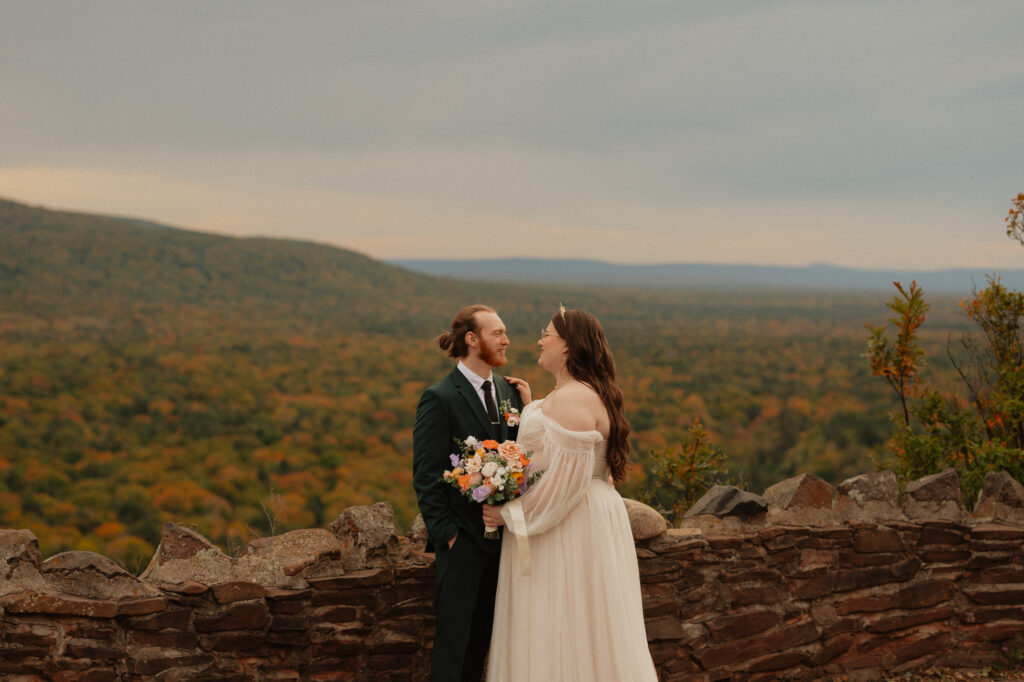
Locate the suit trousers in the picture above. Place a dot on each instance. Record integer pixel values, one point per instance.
(467, 578)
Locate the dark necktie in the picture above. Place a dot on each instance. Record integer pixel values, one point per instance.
(492, 408)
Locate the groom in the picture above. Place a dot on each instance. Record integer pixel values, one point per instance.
(468, 402)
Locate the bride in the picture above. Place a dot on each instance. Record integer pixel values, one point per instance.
(568, 605)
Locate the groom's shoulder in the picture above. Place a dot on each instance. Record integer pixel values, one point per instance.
(511, 389)
(444, 386)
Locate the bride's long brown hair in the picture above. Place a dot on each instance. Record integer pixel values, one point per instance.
(590, 361)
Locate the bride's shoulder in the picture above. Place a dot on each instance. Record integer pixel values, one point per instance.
(575, 407)
(581, 389)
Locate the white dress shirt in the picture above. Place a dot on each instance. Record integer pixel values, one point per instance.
(478, 383)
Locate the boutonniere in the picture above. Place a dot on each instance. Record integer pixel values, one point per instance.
(509, 413)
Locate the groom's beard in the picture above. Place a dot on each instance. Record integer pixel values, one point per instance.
(491, 354)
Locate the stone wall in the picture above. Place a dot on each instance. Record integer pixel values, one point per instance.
(805, 582)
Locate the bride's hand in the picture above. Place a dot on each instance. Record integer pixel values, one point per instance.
(522, 387)
(492, 516)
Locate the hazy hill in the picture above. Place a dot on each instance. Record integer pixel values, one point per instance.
(52, 258)
(706, 276)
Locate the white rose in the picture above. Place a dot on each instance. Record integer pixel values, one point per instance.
(489, 469)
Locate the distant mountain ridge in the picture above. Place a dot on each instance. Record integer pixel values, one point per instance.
(49, 256)
(706, 275)
(72, 259)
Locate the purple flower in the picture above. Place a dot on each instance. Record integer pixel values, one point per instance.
(455, 459)
(481, 492)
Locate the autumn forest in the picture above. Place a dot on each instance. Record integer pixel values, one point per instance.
(248, 387)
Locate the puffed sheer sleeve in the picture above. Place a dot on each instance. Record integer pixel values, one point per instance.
(563, 485)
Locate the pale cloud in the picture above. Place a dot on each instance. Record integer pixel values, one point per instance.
(859, 133)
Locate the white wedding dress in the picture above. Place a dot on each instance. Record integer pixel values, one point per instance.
(578, 615)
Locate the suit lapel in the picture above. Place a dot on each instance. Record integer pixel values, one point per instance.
(500, 390)
(473, 403)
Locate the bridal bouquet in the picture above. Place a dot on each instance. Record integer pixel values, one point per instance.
(490, 472)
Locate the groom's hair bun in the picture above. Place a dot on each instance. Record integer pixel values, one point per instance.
(454, 342)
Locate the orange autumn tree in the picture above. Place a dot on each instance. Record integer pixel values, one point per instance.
(1015, 219)
(899, 361)
(679, 477)
(985, 432)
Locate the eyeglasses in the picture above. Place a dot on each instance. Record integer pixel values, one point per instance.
(544, 333)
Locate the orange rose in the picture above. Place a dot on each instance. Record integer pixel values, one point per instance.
(510, 450)
(490, 444)
(464, 482)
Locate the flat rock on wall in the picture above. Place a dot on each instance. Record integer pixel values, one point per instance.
(804, 500)
(185, 556)
(307, 553)
(869, 497)
(367, 535)
(417, 534)
(935, 497)
(726, 509)
(644, 521)
(20, 562)
(728, 500)
(1001, 498)
(91, 575)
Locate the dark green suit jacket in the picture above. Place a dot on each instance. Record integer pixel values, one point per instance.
(451, 409)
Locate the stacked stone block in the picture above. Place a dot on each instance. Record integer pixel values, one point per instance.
(807, 582)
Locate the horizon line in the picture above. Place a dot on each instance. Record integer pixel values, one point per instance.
(815, 264)
(398, 260)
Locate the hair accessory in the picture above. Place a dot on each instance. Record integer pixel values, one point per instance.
(561, 311)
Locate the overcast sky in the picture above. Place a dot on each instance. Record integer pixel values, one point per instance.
(860, 133)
